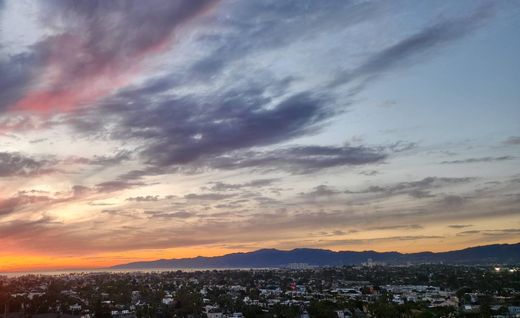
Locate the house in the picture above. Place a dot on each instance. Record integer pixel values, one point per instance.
(167, 299)
(345, 313)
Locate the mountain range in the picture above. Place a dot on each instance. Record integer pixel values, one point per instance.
(273, 258)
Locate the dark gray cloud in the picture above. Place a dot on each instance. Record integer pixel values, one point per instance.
(116, 185)
(145, 171)
(267, 23)
(207, 196)
(37, 141)
(512, 141)
(469, 232)
(402, 146)
(148, 198)
(369, 173)
(452, 201)
(110, 160)
(321, 191)
(207, 127)
(416, 189)
(222, 186)
(299, 159)
(17, 72)
(414, 48)
(25, 228)
(459, 226)
(420, 194)
(476, 160)
(502, 233)
(332, 233)
(216, 133)
(346, 242)
(397, 227)
(103, 160)
(242, 121)
(12, 204)
(18, 165)
(162, 214)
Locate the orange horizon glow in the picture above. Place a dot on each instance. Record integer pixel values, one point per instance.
(41, 263)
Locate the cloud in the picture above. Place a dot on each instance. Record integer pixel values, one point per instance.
(222, 186)
(344, 242)
(218, 133)
(116, 185)
(321, 191)
(148, 198)
(476, 160)
(100, 160)
(502, 232)
(470, 232)
(452, 200)
(219, 127)
(18, 165)
(416, 189)
(290, 222)
(199, 133)
(397, 227)
(459, 226)
(415, 47)
(420, 194)
(161, 214)
(299, 159)
(207, 196)
(267, 23)
(402, 146)
(369, 173)
(26, 229)
(36, 141)
(38, 200)
(495, 234)
(251, 111)
(512, 141)
(10, 205)
(110, 160)
(17, 72)
(83, 67)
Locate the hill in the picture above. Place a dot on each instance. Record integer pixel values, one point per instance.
(273, 258)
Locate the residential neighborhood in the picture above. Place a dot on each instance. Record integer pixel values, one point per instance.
(342, 292)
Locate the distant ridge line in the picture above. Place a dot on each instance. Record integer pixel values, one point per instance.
(274, 258)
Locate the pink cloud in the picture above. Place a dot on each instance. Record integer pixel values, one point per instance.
(98, 55)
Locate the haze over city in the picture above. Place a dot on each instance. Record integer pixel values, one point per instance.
(142, 130)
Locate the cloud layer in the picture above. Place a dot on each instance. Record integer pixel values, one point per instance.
(150, 127)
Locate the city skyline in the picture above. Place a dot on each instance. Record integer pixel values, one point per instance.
(133, 131)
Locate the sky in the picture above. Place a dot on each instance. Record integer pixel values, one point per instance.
(138, 130)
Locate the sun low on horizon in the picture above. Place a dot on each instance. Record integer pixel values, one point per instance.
(144, 130)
